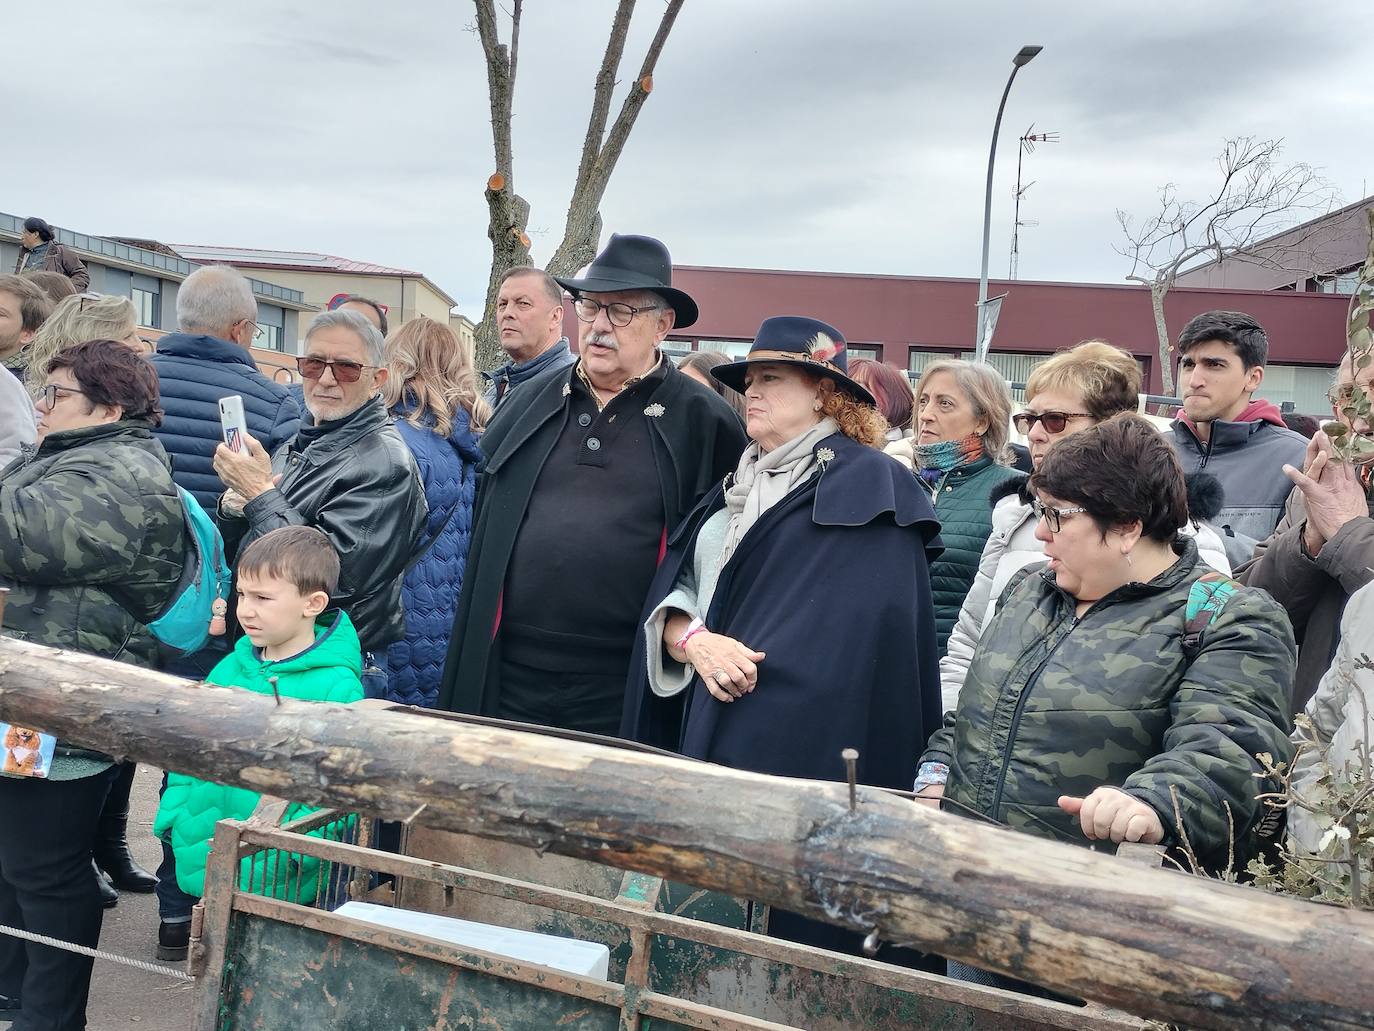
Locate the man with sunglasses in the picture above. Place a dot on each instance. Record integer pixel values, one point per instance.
(585, 478)
(1322, 551)
(347, 473)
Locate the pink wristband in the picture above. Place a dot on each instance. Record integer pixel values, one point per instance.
(695, 627)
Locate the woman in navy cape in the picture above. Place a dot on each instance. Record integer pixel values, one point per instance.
(792, 617)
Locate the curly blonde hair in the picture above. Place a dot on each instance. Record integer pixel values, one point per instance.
(858, 421)
(427, 361)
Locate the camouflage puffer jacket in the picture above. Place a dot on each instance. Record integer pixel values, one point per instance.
(92, 512)
(1057, 704)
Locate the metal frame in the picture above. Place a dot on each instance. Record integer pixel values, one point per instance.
(235, 840)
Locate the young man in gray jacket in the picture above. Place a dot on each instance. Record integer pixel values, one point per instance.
(1224, 430)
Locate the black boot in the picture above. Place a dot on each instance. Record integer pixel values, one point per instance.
(173, 940)
(111, 844)
(109, 898)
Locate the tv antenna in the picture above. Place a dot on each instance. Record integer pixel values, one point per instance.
(1028, 141)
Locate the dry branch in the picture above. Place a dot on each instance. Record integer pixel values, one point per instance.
(1153, 943)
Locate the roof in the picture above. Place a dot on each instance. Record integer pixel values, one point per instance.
(297, 261)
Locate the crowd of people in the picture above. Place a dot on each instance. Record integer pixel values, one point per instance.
(760, 562)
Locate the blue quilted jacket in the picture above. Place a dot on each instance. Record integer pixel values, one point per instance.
(194, 373)
(429, 592)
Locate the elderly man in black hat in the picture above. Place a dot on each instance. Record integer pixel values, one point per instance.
(582, 486)
(38, 251)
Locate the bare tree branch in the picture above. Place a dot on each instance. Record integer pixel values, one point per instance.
(584, 218)
(605, 86)
(1255, 200)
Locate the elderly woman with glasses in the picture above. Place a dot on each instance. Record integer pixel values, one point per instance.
(1122, 690)
(1070, 392)
(92, 538)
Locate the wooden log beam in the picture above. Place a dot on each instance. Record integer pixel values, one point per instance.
(1155, 943)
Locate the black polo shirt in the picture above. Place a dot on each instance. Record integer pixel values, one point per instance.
(591, 539)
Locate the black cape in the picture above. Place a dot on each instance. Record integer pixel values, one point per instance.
(696, 441)
(833, 583)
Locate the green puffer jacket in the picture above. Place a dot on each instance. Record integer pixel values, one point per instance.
(328, 671)
(963, 501)
(1056, 704)
(92, 537)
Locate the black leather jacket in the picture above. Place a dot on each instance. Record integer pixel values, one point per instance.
(355, 481)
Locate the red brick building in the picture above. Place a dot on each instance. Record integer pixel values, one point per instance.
(908, 321)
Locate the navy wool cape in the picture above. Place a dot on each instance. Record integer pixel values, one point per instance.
(833, 584)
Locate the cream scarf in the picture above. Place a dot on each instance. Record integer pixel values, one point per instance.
(762, 480)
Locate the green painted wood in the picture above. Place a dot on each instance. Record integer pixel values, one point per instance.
(282, 976)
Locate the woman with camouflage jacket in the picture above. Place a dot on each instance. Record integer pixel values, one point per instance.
(91, 545)
(1122, 691)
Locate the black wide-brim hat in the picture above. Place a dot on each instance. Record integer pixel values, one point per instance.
(795, 340)
(634, 263)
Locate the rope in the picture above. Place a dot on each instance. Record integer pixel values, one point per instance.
(81, 950)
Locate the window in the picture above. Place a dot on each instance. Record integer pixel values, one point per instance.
(1304, 385)
(271, 323)
(269, 338)
(871, 353)
(146, 293)
(1345, 282)
(734, 348)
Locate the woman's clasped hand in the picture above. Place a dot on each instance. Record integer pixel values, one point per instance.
(728, 668)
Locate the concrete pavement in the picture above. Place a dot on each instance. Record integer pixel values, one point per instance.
(121, 997)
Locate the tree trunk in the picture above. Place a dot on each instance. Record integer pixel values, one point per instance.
(1155, 943)
(1158, 289)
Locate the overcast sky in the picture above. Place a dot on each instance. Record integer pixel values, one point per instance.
(804, 134)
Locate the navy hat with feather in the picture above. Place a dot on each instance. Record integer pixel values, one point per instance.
(812, 344)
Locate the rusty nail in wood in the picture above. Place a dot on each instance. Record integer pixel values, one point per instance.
(851, 760)
(871, 943)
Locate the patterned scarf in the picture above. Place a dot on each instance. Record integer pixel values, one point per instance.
(943, 456)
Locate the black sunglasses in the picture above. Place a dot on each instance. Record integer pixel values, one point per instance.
(344, 372)
(1054, 422)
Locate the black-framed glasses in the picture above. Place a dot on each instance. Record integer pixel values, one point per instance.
(1054, 422)
(621, 315)
(49, 394)
(344, 372)
(1054, 517)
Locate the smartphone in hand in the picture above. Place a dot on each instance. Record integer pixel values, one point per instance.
(232, 422)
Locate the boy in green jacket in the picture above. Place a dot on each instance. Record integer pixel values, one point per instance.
(285, 579)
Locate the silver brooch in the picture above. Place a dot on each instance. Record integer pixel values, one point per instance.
(567, 389)
(824, 455)
(654, 410)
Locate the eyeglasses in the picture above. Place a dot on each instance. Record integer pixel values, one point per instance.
(49, 394)
(1054, 517)
(257, 330)
(621, 315)
(1054, 422)
(89, 297)
(344, 372)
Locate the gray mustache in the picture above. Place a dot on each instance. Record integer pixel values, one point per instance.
(603, 340)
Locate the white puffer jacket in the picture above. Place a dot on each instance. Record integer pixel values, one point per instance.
(1011, 548)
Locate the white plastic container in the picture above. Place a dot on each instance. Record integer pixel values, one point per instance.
(588, 959)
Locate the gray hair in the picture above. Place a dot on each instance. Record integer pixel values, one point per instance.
(213, 298)
(366, 331)
(988, 394)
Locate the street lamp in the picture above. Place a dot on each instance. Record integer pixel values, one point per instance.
(1023, 57)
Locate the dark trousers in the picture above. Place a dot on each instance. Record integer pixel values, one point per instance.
(173, 905)
(589, 702)
(47, 887)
